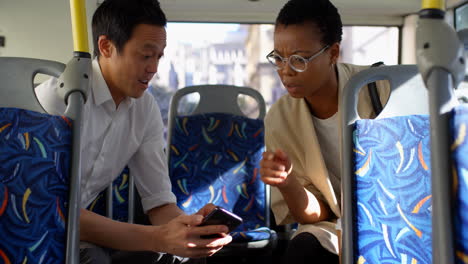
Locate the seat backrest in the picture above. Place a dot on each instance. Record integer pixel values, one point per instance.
(218, 99)
(117, 201)
(35, 168)
(459, 148)
(386, 180)
(213, 99)
(449, 120)
(214, 154)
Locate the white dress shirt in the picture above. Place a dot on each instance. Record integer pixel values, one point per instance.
(112, 137)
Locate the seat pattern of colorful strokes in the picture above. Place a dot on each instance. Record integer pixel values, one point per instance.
(120, 198)
(393, 190)
(214, 158)
(34, 178)
(459, 149)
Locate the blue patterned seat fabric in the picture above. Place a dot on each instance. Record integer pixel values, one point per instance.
(459, 149)
(120, 190)
(214, 158)
(34, 178)
(393, 190)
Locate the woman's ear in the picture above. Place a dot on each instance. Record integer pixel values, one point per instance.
(106, 47)
(334, 52)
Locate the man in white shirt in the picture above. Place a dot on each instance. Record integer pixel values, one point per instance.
(122, 125)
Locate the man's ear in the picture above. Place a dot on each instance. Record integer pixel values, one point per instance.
(334, 52)
(106, 47)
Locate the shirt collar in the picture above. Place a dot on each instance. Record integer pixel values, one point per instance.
(101, 93)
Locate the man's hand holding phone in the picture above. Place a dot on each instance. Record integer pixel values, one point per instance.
(220, 216)
(183, 235)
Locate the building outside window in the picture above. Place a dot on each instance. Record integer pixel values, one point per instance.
(234, 54)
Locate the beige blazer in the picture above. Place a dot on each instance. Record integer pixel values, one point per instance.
(289, 126)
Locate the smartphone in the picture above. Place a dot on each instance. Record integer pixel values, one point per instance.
(221, 216)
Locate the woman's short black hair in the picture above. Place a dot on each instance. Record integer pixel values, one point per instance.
(117, 18)
(322, 13)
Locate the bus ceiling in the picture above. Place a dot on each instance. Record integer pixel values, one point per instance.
(354, 12)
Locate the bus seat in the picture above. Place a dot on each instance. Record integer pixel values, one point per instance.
(459, 147)
(386, 180)
(214, 154)
(36, 170)
(120, 204)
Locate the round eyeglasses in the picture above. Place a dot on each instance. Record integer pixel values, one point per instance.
(296, 62)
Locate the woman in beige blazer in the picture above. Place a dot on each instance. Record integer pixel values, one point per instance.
(302, 131)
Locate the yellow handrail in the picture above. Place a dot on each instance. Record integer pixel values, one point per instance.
(80, 31)
(433, 4)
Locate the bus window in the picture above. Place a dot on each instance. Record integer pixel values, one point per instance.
(461, 17)
(235, 54)
(364, 45)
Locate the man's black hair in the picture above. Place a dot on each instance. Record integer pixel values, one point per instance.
(322, 13)
(117, 18)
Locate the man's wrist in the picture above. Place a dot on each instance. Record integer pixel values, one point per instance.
(153, 241)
